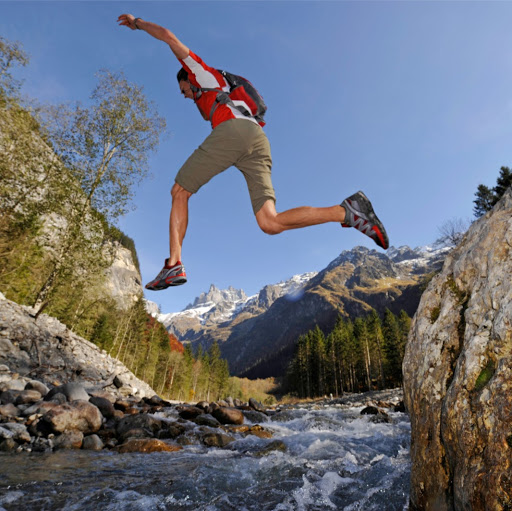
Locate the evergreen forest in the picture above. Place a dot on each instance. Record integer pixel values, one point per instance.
(356, 356)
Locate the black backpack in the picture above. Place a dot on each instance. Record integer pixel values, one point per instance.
(236, 82)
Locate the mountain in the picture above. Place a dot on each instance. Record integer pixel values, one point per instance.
(257, 334)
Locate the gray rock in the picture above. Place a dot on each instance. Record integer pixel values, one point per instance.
(13, 385)
(458, 374)
(145, 423)
(256, 405)
(19, 431)
(37, 385)
(8, 445)
(172, 430)
(206, 419)
(230, 402)
(73, 392)
(216, 439)
(254, 416)
(76, 416)
(189, 412)
(204, 405)
(105, 406)
(69, 440)
(41, 407)
(9, 396)
(118, 382)
(5, 433)
(227, 415)
(92, 443)
(4, 369)
(370, 410)
(59, 399)
(9, 410)
(275, 445)
(28, 397)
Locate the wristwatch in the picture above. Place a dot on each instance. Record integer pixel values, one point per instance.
(135, 23)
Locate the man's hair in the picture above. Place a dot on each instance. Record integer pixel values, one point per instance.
(182, 75)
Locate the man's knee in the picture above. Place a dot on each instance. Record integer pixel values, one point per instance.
(178, 192)
(269, 225)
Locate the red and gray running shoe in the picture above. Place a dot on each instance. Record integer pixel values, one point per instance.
(359, 214)
(168, 276)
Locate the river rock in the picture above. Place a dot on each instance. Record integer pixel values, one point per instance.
(9, 396)
(189, 412)
(92, 443)
(275, 445)
(8, 445)
(9, 410)
(227, 415)
(458, 374)
(146, 445)
(73, 392)
(78, 416)
(216, 439)
(41, 407)
(206, 419)
(204, 405)
(69, 440)
(138, 426)
(172, 430)
(37, 385)
(104, 405)
(14, 384)
(256, 405)
(254, 416)
(19, 431)
(28, 397)
(258, 431)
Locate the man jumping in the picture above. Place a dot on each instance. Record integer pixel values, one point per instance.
(237, 140)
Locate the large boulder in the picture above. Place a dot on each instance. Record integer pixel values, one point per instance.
(76, 416)
(227, 415)
(458, 374)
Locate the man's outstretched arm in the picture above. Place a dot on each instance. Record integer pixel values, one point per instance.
(158, 32)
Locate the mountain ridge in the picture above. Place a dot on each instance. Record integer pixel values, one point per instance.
(257, 334)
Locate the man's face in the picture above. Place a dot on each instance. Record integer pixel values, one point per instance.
(186, 90)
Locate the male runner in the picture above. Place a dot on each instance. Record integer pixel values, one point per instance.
(237, 139)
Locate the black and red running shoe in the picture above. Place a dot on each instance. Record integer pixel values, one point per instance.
(169, 276)
(360, 215)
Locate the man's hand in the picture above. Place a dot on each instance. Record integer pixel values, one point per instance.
(127, 20)
(158, 32)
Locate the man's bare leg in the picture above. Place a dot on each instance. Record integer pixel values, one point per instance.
(355, 211)
(178, 222)
(272, 222)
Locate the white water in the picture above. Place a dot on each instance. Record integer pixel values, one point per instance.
(336, 459)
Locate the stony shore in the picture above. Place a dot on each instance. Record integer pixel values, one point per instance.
(59, 391)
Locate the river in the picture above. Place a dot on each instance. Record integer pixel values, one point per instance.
(335, 459)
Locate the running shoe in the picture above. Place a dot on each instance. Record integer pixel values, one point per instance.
(168, 276)
(360, 215)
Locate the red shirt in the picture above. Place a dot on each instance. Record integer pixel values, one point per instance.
(203, 76)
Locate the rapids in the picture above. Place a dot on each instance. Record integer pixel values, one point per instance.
(335, 458)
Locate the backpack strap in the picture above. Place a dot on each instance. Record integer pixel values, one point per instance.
(221, 99)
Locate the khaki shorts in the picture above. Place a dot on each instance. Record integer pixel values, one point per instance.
(237, 142)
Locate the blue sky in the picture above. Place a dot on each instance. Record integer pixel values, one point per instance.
(409, 101)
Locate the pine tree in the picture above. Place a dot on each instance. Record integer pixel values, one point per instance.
(486, 198)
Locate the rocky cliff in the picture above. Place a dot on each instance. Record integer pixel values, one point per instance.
(458, 375)
(44, 349)
(123, 280)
